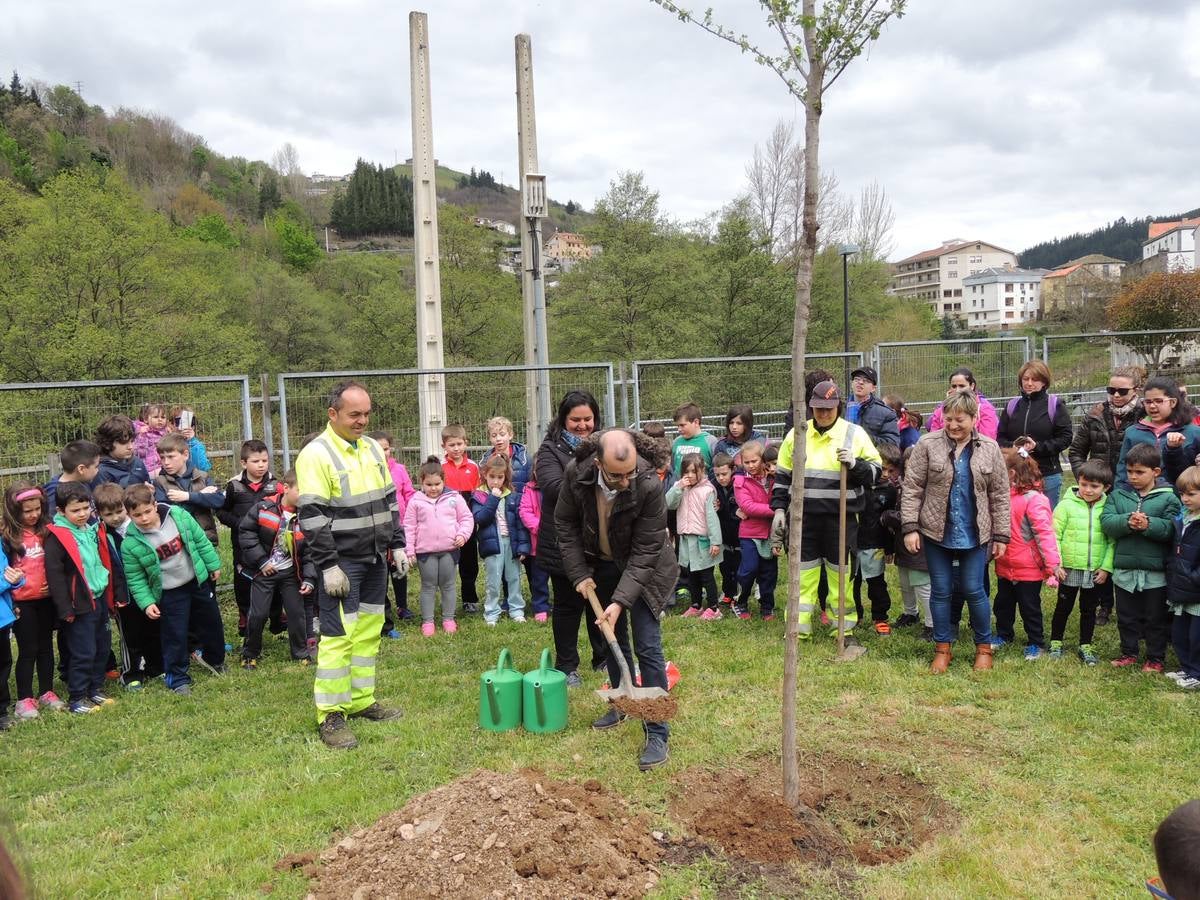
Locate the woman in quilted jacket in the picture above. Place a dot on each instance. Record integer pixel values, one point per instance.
(1032, 555)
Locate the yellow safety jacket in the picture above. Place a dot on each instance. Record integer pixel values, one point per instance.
(347, 500)
(822, 470)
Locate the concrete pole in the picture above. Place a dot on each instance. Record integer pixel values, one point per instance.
(533, 286)
(431, 389)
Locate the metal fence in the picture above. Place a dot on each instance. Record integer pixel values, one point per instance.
(473, 395)
(37, 420)
(715, 383)
(1082, 362)
(919, 371)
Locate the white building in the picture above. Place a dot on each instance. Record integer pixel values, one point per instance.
(998, 297)
(1177, 240)
(936, 276)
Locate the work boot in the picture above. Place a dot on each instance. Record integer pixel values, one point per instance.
(983, 657)
(336, 733)
(654, 754)
(941, 658)
(610, 719)
(377, 713)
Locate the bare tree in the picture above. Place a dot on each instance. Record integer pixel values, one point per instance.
(873, 222)
(286, 161)
(771, 175)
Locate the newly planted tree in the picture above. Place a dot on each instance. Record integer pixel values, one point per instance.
(817, 42)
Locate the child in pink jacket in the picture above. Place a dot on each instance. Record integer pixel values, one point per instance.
(752, 490)
(404, 491)
(530, 511)
(437, 523)
(1031, 558)
(148, 430)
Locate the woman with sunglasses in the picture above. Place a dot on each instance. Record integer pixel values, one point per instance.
(1167, 426)
(1102, 430)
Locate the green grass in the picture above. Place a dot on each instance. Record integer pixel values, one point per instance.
(1058, 773)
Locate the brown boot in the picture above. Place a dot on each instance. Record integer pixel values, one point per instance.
(983, 657)
(941, 658)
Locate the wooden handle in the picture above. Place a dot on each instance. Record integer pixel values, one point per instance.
(614, 648)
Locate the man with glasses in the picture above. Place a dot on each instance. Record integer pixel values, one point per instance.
(611, 519)
(869, 411)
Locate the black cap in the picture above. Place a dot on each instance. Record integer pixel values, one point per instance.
(866, 372)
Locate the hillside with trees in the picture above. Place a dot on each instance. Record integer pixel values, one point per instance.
(1121, 239)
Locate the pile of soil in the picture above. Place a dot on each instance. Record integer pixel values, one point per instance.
(492, 835)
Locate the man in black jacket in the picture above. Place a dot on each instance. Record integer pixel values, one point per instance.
(869, 411)
(611, 518)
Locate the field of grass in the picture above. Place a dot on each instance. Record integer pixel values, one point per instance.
(1057, 774)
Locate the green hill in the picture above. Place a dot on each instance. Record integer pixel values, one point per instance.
(1121, 239)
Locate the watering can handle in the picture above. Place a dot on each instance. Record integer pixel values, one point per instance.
(545, 665)
(504, 661)
(493, 702)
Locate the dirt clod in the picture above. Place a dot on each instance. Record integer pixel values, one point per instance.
(497, 836)
(662, 709)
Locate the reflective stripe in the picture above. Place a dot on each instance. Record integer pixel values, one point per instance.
(814, 563)
(371, 609)
(349, 618)
(362, 662)
(365, 681)
(331, 699)
(342, 474)
(359, 523)
(362, 498)
(826, 494)
(331, 674)
(314, 523)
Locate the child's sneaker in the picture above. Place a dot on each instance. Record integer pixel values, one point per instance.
(102, 700)
(541, 618)
(904, 620)
(1056, 650)
(250, 664)
(491, 623)
(133, 685)
(519, 619)
(825, 618)
(1033, 651)
(449, 626)
(768, 617)
(1176, 676)
(998, 642)
(1087, 655)
(112, 674)
(712, 614)
(183, 690)
(394, 634)
(1189, 684)
(82, 706)
(691, 612)
(1122, 661)
(1152, 667)
(427, 629)
(727, 600)
(51, 700)
(741, 612)
(883, 628)
(26, 709)
(927, 634)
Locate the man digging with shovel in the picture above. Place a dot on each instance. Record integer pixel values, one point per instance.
(841, 464)
(612, 529)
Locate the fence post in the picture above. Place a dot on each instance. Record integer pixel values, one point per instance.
(637, 398)
(286, 448)
(247, 422)
(624, 393)
(264, 386)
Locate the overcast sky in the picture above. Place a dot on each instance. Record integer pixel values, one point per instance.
(1007, 120)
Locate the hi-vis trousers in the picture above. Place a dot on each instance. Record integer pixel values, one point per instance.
(819, 547)
(350, 631)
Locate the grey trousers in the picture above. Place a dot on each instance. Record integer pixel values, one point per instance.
(437, 573)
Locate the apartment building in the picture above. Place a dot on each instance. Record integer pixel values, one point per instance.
(936, 276)
(1002, 297)
(1177, 240)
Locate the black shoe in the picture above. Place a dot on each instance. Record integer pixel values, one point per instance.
(600, 665)
(377, 713)
(905, 620)
(404, 613)
(610, 719)
(654, 754)
(250, 664)
(1103, 616)
(470, 608)
(927, 633)
(336, 733)
(6, 722)
(183, 690)
(573, 680)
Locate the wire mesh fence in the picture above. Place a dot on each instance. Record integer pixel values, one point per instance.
(919, 371)
(1083, 362)
(473, 395)
(37, 420)
(765, 382)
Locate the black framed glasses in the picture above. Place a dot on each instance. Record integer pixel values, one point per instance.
(1118, 392)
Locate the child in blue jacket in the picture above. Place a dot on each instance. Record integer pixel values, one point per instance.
(502, 538)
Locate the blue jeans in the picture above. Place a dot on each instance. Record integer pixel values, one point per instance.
(1052, 487)
(539, 586)
(193, 606)
(763, 570)
(972, 567)
(647, 640)
(502, 566)
(90, 641)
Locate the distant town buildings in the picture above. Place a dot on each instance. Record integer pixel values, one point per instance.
(1002, 297)
(1177, 240)
(496, 225)
(1092, 279)
(936, 276)
(566, 245)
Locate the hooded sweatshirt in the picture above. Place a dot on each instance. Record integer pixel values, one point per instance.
(86, 537)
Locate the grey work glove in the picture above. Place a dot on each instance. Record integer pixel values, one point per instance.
(335, 581)
(399, 563)
(846, 456)
(779, 529)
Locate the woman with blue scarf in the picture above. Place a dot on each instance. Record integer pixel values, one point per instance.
(578, 416)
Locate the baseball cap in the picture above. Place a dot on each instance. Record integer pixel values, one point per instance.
(825, 396)
(866, 372)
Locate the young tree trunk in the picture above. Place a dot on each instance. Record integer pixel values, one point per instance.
(808, 249)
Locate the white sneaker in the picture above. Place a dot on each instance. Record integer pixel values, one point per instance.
(519, 619)
(1189, 684)
(1176, 676)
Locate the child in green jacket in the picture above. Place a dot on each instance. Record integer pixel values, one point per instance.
(171, 568)
(1142, 520)
(1087, 556)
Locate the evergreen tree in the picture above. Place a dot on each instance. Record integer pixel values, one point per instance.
(16, 89)
(376, 201)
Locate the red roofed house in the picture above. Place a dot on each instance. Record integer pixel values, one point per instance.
(936, 276)
(1177, 240)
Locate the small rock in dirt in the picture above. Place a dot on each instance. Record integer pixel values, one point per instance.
(460, 880)
(500, 845)
(362, 893)
(526, 866)
(436, 854)
(458, 857)
(538, 789)
(592, 786)
(489, 841)
(407, 831)
(294, 861)
(429, 825)
(495, 793)
(657, 835)
(348, 844)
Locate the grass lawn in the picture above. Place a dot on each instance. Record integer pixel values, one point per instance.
(1058, 773)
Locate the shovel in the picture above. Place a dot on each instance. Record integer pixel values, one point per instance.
(844, 653)
(652, 704)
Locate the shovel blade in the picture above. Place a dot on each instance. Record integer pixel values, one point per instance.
(633, 693)
(850, 653)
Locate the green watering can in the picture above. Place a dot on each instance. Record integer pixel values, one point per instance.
(545, 691)
(500, 696)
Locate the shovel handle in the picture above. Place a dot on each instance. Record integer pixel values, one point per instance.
(614, 649)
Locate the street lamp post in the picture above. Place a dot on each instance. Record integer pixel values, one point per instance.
(846, 250)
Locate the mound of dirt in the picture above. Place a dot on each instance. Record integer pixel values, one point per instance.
(491, 835)
(851, 812)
